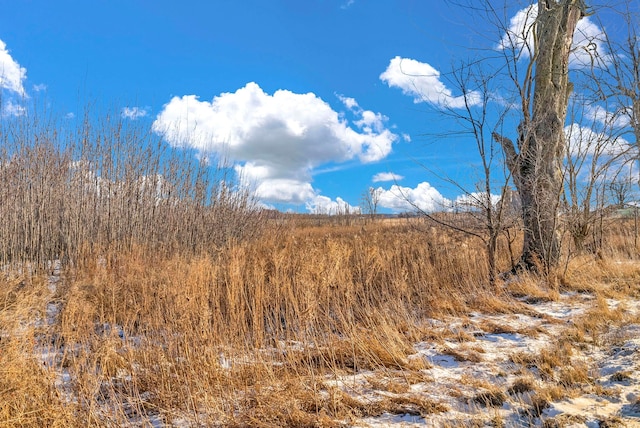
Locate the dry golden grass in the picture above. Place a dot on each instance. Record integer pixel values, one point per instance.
(231, 337)
(521, 386)
(181, 302)
(554, 364)
(249, 334)
(463, 353)
(493, 397)
(29, 395)
(564, 421)
(533, 290)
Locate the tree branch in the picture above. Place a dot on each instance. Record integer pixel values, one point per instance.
(509, 151)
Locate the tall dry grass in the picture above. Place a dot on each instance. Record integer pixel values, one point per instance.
(246, 336)
(180, 303)
(282, 311)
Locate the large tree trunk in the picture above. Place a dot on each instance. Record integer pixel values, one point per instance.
(536, 162)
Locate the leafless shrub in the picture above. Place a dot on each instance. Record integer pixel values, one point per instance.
(110, 185)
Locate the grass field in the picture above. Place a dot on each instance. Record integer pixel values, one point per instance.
(139, 288)
(312, 323)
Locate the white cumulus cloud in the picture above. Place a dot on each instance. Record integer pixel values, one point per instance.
(386, 176)
(348, 102)
(475, 201)
(12, 75)
(423, 197)
(587, 40)
(11, 108)
(584, 141)
(134, 113)
(422, 82)
(271, 184)
(426, 198)
(275, 141)
(347, 4)
(617, 120)
(324, 205)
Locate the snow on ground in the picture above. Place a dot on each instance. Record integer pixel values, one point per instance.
(463, 370)
(475, 368)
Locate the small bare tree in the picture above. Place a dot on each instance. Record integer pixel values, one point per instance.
(487, 205)
(620, 191)
(595, 154)
(482, 211)
(371, 201)
(620, 79)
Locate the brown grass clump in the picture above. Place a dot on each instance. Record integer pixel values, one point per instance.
(608, 276)
(530, 289)
(293, 405)
(29, 397)
(412, 405)
(612, 422)
(463, 353)
(562, 421)
(389, 385)
(495, 328)
(574, 376)
(597, 321)
(547, 360)
(621, 376)
(521, 386)
(491, 398)
(544, 397)
(538, 404)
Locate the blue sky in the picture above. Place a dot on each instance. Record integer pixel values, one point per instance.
(314, 101)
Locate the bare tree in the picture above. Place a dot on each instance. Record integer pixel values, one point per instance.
(620, 190)
(596, 154)
(620, 80)
(487, 205)
(484, 211)
(371, 200)
(599, 158)
(535, 159)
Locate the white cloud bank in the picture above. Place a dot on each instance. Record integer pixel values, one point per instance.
(276, 141)
(324, 205)
(426, 198)
(422, 82)
(587, 39)
(423, 197)
(12, 75)
(386, 176)
(584, 141)
(475, 201)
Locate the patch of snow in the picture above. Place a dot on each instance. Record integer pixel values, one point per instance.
(455, 383)
(386, 420)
